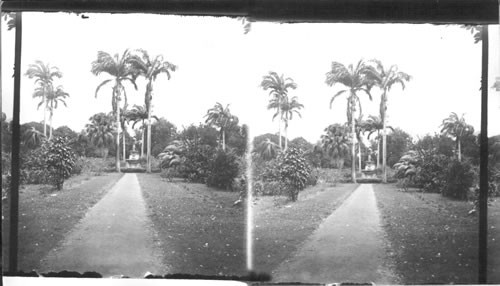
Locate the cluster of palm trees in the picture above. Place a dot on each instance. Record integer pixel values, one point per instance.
(127, 68)
(355, 81)
(285, 107)
(122, 70)
(49, 95)
(360, 79)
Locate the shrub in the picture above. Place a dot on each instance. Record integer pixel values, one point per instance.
(33, 166)
(195, 166)
(459, 178)
(223, 170)
(271, 170)
(273, 188)
(79, 166)
(293, 171)
(431, 176)
(312, 179)
(60, 161)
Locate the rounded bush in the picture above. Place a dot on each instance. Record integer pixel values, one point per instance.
(223, 170)
(459, 177)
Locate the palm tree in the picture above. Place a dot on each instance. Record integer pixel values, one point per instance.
(53, 99)
(388, 78)
(335, 142)
(267, 149)
(32, 138)
(139, 114)
(456, 127)
(150, 68)
(44, 75)
(121, 70)
(221, 117)
(100, 132)
(360, 130)
(374, 124)
(288, 108)
(356, 80)
(278, 87)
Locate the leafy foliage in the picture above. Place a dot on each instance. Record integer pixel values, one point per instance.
(335, 143)
(100, 131)
(33, 166)
(223, 170)
(293, 171)
(398, 142)
(459, 178)
(60, 161)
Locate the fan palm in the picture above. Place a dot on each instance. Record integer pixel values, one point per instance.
(100, 132)
(221, 117)
(278, 88)
(54, 97)
(32, 138)
(267, 149)
(456, 127)
(44, 75)
(288, 108)
(335, 143)
(388, 78)
(121, 70)
(374, 124)
(150, 68)
(356, 80)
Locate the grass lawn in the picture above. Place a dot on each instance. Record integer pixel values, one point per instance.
(47, 215)
(433, 239)
(199, 229)
(281, 226)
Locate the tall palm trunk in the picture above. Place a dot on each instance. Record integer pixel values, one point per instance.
(384, 145)
(459, 151)
(353, 149)
(148, 106)
(223, 139)
(142, 140)
(378, 151)
(123, 141)
(44, 117)
(117, 162)
(279, 122)
(359, 155)
(51, 113)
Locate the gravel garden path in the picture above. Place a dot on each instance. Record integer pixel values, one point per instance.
(114, 238)
(349, 246)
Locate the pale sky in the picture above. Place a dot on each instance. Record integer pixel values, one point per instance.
(219, 63)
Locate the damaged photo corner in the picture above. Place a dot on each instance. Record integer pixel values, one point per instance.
(241, 112)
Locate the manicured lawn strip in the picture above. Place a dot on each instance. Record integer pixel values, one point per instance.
(199, 229)
(281, 228)
(494, 242)
(433, 239)
(47, 215)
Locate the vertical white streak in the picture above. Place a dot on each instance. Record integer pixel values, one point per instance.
(249, 212)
